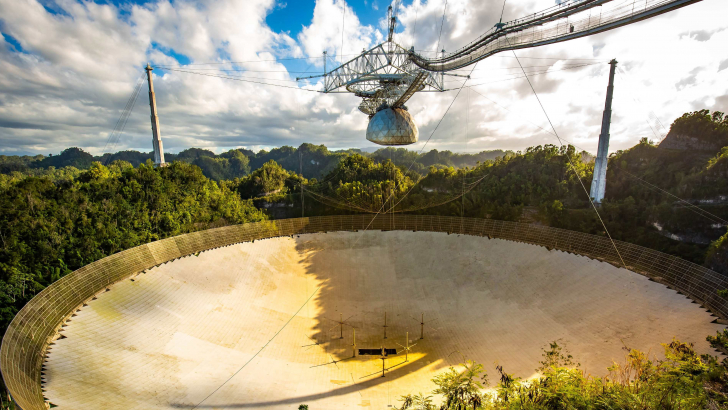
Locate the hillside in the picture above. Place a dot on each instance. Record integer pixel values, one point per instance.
(313, 160)
(56, 216)
(698, 131)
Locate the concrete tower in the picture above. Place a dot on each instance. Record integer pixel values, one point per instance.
(600, 164)
(156, 136)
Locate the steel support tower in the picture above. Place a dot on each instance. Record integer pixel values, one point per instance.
(600, 164)
(156, 136)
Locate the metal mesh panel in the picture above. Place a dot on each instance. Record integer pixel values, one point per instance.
(35, 326)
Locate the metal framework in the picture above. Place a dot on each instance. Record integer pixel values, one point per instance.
(388, 74)
(383, 74)
(566, 21)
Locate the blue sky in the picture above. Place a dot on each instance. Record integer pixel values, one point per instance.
(296, 14)
(68, 69)
(285, 17)
(291, 17)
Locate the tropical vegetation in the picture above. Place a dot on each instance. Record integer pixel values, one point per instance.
(61, 212)
(682, 380)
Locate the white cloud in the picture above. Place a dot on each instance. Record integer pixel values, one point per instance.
(79, 68)
(667, 66)
(330, 18)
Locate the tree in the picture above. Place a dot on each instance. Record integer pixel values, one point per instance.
(717, 256)
(269, 179)
(461, 390)
(711, 128)
(51, 225)
(417, 402)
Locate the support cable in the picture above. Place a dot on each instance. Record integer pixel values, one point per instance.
(343, 27)
(503, 10)
(700, 211)
(467, 127)
(115, 134)
(524, 76)
(532, 74)
(240, 70)
(573, 168)
(242, 80)
(578, 64)
(117, 126)
(690, 205)
(188, 66)
(245, 70)
(250, 61)
(650, 114)
(227, 75)
(442, 24)
(435, 130)
(261, 349)
(128, 114)
(694, 208)
(414, 30)
(420, 152)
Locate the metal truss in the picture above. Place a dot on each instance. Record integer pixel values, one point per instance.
(384, 74)
(388, 74)
(566, 21)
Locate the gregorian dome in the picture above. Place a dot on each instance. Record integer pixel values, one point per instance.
(392, 126)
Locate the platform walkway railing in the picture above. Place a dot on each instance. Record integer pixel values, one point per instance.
(564, 22)
(26, 341)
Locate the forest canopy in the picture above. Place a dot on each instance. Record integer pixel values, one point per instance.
(60, 212)
(53, 224)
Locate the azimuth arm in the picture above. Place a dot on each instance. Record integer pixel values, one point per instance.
(550, 27)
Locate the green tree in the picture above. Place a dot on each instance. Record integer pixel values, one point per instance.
(461, 390)
(50, 226)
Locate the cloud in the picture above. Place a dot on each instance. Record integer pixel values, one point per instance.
(330, 19)
(81, 67)
(66, 75)
(721, 103)
(723, 65)
(701, 35)
(689, 80)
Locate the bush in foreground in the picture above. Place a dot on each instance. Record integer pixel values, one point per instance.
(683, 380)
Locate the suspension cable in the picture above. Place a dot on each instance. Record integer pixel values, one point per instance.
(526, 75)
(259, 351)
(658, 134)
(690, 205)
(421, 149)
(442, 24)
(115, 134)
(502, 10)
(436, 127)
(242, 80)
(414, 30)
(343, 27)
(700, 211)
(573, 168)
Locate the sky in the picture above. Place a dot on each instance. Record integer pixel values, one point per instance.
(68, 69)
